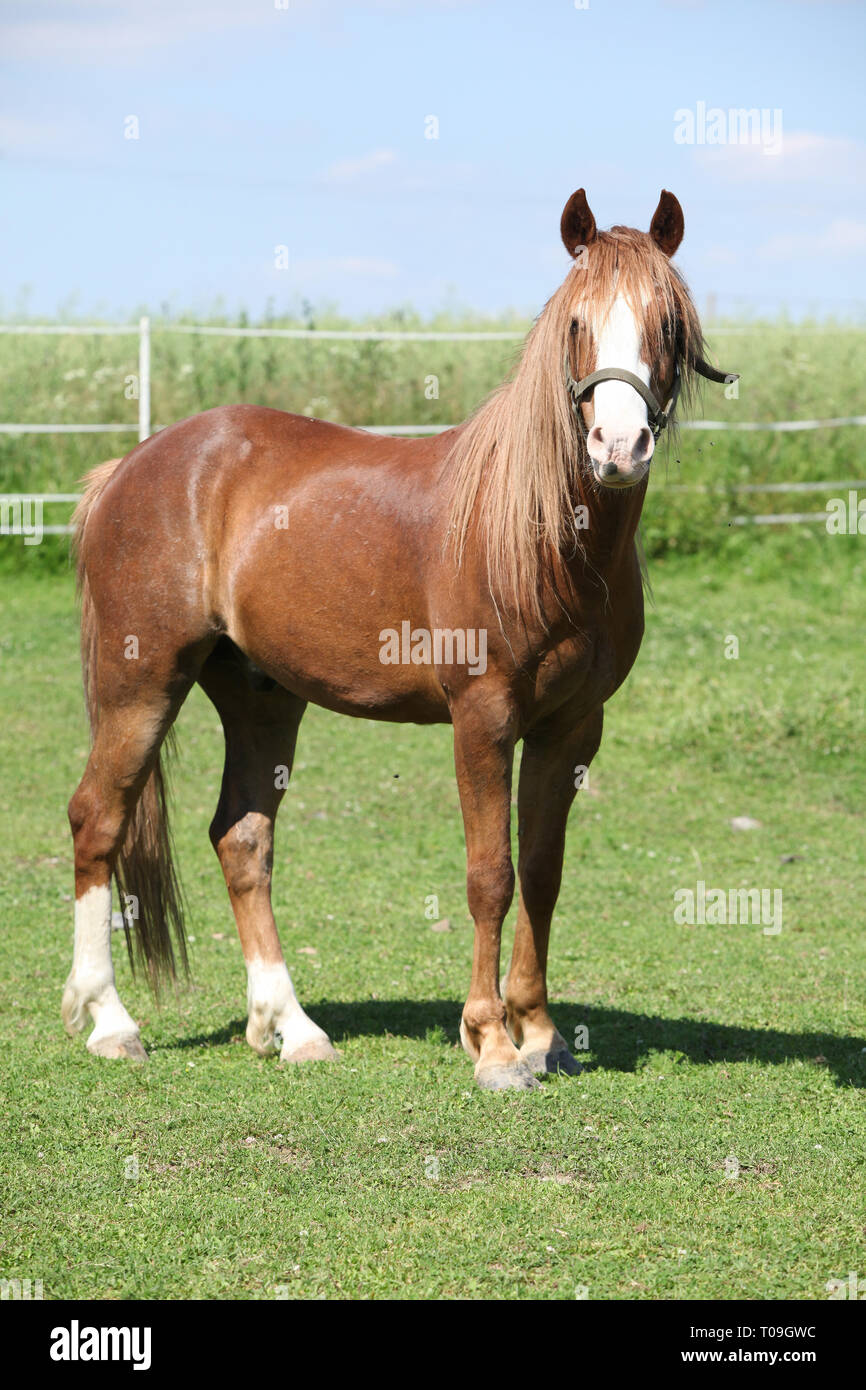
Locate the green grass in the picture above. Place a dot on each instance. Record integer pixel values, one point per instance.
(706, 1043)
(787, 372)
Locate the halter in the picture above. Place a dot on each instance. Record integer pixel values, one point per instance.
(657, 417)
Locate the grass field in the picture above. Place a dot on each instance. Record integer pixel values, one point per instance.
(713, 1147)
(787, 372)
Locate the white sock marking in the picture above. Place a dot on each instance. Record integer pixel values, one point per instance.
(91, 983)
(273, 1008)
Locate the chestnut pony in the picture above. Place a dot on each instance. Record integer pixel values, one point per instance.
(488, 577)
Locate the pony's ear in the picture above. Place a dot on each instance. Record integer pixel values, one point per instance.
(577, 227)
(667, 226)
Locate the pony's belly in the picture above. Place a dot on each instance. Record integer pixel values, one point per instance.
(342, 668)
(358, 693)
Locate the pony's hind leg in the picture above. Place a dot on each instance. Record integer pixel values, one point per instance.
(260, 721)
(123, 757)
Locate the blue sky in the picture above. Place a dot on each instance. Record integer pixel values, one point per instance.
(305, 127)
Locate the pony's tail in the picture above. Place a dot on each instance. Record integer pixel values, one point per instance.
(150, 895)
(148, 884)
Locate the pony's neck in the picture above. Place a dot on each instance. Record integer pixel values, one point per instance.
(610, 520)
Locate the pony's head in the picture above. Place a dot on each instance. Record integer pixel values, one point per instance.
(633, 335)
(599, 376)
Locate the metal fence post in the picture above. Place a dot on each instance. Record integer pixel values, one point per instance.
(143, 379)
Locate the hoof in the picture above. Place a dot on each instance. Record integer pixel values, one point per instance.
(558, 1059)
(507, 1078)
(117, 1046)
(316, 1050)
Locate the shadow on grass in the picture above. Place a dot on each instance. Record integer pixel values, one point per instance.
(618, 1041)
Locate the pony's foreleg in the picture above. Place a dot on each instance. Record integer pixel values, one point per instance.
(483, 754)
(553, 758)
(260, 733)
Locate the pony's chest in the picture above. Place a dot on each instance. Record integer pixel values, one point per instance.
(586, 667)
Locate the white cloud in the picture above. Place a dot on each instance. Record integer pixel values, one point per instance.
(92, 32)
(720, 254)
(845, 235)
(803, 155)
(369, 266)
(842, 237)
(23, 136)
(347, 170)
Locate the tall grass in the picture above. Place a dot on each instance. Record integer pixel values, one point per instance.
(787, 372)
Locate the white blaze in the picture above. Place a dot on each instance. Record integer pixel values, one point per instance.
(619, 410)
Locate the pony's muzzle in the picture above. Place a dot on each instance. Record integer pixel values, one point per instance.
(621, 458)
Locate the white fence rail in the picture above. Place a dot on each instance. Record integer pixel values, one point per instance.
(143, 428)
(142, 329)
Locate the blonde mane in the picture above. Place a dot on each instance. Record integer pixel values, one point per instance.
(517, 468)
